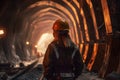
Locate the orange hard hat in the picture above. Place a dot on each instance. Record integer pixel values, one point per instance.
(60, 25)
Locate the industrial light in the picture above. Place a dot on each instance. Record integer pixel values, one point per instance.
(27, 43)
(2, 32)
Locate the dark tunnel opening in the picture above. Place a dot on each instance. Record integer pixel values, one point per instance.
(26, 31)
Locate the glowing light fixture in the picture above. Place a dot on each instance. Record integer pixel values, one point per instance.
(27, 43)
(1, 32)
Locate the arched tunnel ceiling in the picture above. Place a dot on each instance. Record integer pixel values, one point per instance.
(38, 16)
(94, 23)
(48, 10)
(39, 13)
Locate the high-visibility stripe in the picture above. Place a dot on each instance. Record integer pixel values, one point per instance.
(73, 54)
(57, 54)
(55, 49)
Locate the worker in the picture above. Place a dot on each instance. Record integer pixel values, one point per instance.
(62, 60)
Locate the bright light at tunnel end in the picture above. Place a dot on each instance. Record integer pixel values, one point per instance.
(44, 41)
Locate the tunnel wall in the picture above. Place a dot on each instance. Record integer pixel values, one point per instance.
(107, 58)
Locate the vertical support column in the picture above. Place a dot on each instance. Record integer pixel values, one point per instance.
(104, 67)
(93, 57)
(106, 16)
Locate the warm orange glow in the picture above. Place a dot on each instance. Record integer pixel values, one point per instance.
(62, 8)
(76, 16)
(85, 52)
(41, 16)
(51, 3)
(94, 53)
(1, 32)
(77, 3)
(106, 16)
(72, 34)
(36, 46)
(81, 48)
(81, 32)
(94, 18)
(85, 25)
(44, 12)
(73, 9)
(27, 43)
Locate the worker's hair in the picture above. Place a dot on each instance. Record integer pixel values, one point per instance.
(65, 40)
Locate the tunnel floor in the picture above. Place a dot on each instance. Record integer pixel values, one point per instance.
(34, 72)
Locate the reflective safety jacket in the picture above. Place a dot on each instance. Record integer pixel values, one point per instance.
(62, 62)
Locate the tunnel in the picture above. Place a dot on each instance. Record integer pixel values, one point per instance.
(26, 31)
